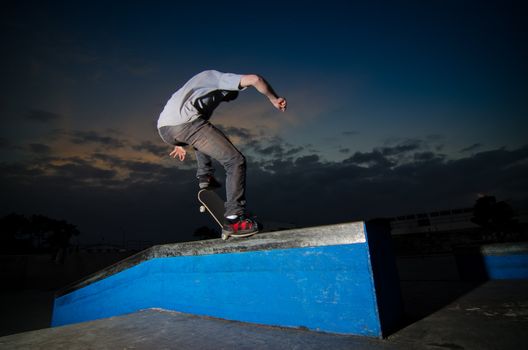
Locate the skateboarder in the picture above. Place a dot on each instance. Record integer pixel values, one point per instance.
(185, 121)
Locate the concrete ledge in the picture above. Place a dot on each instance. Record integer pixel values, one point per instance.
(348, 233)
(333, 278)
(493, 261)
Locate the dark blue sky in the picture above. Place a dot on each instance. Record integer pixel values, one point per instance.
(386, 100)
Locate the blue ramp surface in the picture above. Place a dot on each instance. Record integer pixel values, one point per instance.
(322, 278)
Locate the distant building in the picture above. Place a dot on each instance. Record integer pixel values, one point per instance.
(444, 220)
(102, 248)
(439, 221)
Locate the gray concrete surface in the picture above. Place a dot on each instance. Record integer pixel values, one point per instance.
(441, 315)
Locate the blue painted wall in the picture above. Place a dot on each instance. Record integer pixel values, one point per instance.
(514, 266)
(328, 288)
(504, 261)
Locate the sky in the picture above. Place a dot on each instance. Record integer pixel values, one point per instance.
(393, 108)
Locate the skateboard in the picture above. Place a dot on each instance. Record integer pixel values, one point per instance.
(212, 203)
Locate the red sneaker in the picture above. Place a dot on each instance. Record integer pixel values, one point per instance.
(242, 226)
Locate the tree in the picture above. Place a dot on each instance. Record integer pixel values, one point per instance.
(493, 215)
(14, 237)
(20, 235)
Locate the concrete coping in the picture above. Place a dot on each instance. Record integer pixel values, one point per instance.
(505, 248)
(495, 249)
(328, 235)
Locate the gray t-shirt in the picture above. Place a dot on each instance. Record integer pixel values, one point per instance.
(199, 96)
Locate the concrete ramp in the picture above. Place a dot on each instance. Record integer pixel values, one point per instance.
(339, 278)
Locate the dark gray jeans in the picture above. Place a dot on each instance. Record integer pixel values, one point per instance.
(209, 142)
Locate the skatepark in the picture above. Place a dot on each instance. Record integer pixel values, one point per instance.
(380, 144)
(339, 286)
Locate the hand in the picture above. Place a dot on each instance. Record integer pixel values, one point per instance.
(179, 152)
(280, 103)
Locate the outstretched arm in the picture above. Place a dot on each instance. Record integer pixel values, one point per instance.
(264, 88)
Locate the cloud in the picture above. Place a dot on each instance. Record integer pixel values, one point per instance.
(150, 147)
(368, 184)
(131, 171)
(427, 156)
(293, 150)
(242, 133)
(406, 146)
(370, 159)
(83, 137)
(81, 170)
(307, 160)
(19, 172)
(272, 147)
(276, 147)
(473, 147)
(39, 148)
(42, 116)
(157, 200)
(113, 161)
(260, 145)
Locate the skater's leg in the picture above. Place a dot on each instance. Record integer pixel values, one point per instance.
(210, 141)
(205, 164)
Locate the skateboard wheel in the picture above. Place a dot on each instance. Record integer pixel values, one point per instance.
(202, 209)
(224, 236)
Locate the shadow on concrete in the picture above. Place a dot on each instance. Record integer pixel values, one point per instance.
(424, 298)
(428, 284)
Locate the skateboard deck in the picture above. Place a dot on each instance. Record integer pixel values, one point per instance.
(211, 202)
(214, 205)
